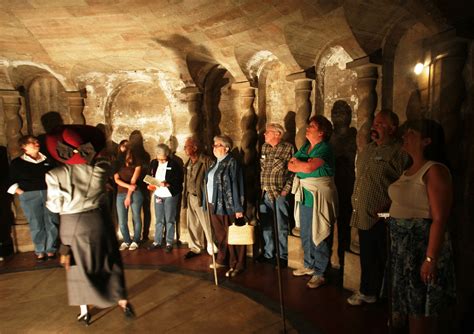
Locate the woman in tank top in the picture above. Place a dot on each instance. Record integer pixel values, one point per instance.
(421, 266)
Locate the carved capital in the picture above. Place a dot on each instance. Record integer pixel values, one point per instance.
(10, 104)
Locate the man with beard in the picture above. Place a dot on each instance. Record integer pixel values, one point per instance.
(379, 164)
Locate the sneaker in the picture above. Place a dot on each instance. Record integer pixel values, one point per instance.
(168, 248)
(218, 265)
(229, 272)
(133, 246)
(154, 246)
(359, 298)
(316, 281)
(123, 246)
(303, 271)
(209, 249)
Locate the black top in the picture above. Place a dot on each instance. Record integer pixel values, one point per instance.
(28, 175)
(174, 175)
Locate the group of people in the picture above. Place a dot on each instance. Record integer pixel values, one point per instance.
(408, 179)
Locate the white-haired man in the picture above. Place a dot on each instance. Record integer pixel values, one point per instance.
(199, 228)
(276, 183)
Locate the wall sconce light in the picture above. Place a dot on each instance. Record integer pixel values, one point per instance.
(419, 68)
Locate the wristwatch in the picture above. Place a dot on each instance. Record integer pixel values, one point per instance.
(429, 259)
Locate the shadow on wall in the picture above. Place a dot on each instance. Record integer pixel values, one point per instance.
(290, 127)
(343, 141)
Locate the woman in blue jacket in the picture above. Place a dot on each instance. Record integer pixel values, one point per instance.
(225, 195)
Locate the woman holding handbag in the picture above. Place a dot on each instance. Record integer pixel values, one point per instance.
(225, 196)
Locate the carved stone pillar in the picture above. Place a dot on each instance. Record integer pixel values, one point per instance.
(76, 107)
(10, 104)
(248, 125)
(367, 75)
(194, 98)
(303, 87)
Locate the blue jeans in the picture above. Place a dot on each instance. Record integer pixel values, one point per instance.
(266, 209)
(43, 223)
(122, 214)
(165, 213)
(315, 257)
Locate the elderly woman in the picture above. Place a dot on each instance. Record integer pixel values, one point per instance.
(422, 267)
(225, 195)
(166, 195)
(129, 195)
(315, 198)
(27, 181)
(89, 248)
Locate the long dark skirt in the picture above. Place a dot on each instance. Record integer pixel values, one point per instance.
(410, 295)
(96, 273)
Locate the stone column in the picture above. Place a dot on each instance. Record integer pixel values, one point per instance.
(194, 98)
(303, 87)
(76, 107)
(449, 74)
(248, 143)
(367, 75)
(10, 104)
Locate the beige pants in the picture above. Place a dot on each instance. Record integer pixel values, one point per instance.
(198, 226)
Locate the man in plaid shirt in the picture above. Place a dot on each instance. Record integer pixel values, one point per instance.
(379, 164)
(276, 183)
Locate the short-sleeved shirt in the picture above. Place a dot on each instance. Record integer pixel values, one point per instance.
(322, 150)
(376, 168)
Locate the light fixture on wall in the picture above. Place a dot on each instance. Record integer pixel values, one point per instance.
(418, 68)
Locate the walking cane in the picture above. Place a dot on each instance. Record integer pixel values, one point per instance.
(212, 237)
(277, 243)
(388, 268)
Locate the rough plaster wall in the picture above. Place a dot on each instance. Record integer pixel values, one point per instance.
(279, 94)
(148, 101)
(405, 82)
(46, 94)
(340, 84)
(230, 114)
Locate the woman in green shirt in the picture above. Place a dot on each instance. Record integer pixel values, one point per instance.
(315, 198)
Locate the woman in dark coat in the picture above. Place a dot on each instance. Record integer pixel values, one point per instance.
(225, 194)
(89, 249)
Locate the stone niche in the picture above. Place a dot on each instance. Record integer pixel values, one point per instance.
(143, 107)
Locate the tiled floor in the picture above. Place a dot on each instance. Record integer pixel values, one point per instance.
(321, 310)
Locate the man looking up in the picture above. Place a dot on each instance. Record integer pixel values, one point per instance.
(379, 164)
(199, 228)
(276, 183)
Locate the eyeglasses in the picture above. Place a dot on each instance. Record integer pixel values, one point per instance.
(218, 145)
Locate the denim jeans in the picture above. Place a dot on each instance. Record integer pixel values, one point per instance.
(266, 209)
(165, 213)
(315, 257)
(43, 223)
(122, 214)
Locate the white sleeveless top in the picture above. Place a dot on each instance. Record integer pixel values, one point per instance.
(409, 195)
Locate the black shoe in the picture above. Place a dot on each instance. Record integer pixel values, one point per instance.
(168, 248)
(40, 259)
(86, 318)
(128, 311)
(263, 259)
(52, 256)
(154, 246)
(190, 254)
(283, 264)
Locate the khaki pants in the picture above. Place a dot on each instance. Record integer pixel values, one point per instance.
(199, 228)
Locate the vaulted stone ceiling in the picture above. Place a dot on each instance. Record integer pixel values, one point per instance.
(74, 37)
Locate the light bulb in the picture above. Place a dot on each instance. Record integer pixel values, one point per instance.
(418, 68)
